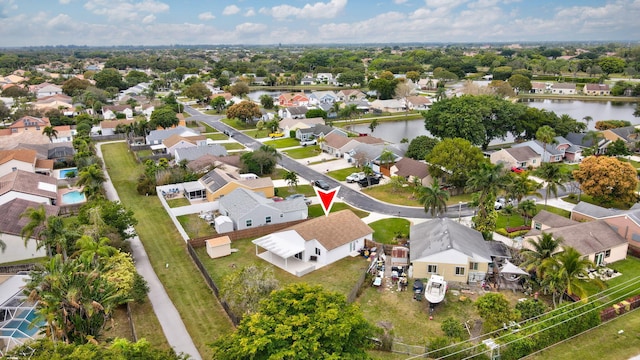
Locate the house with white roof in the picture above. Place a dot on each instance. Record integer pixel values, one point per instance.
(156, 137)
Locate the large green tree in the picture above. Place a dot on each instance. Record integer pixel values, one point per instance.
(433, 198)
(454, 159)
(299, 322)
(109, 78)
(198, 91)
(479, 119)
(91, 178)
(245, 111)
(420, 147)
(495, 310)
(607, 179)
(164, 117)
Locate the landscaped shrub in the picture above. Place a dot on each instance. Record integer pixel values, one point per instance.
(518, 228)
(453, 328)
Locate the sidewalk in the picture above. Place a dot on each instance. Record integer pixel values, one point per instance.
(168, 316)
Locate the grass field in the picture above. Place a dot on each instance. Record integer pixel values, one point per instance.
(195, 226)
(207, 127)
(216, 136)
(306, 190)
(283, 143)
(202, 314)
(341, 174)
(233, 146)
(315, 210)
(303, 152)
(254, 133)
(181, 201)
(387, 231)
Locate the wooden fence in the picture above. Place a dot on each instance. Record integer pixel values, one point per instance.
(246, 233)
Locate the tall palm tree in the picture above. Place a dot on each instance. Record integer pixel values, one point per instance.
(541, 249)
(594, 137)
(91, 177)
(528, 209)
(387, 158)
(35, 227)
(434, 199)
(50, 132)
(58, 236)
(487, 179)
(291, 177)
(520, 185)
(93, 250)
(587, 119)
(554, 177)
(545, 135)
(566, 272)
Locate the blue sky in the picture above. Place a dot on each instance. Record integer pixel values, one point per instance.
(167, 22)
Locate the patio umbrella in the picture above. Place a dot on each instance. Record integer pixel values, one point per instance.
(509, 268)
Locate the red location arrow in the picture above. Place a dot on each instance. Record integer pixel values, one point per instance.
(327, 197)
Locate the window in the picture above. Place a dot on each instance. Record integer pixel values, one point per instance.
(317, 251)
(14, 168)
(249, 223)
(267, 220)
(459, 271)
(432, 269)
(473, 266)
(538, 226)
(607, 253)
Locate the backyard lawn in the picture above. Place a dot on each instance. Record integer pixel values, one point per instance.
(233, 146)
(255, 133)
(303, 152)
(388, 231)
(195, 226)
(306, 190)
(178, 202)
(315, 210)
(341, 174)
(216, 136)
(283, 143)
(201, 312)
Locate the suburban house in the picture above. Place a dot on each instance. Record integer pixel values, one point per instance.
(595, 240)
(449, 249)
(350, 95)
(294, 112)
(29, 123)
(418, 102)
(314, 132)
(563, 88)
(596, 89)
(391, 105)
(362, 105)
(293, 99)
(411, 169)
(56, 102)
(322, 97)
(427, 84)
(45, 89)
(11, 224)
(54, 152)
(248, 209)
(538, 88)
(337, 143)
(108, 127)
(288, 124)
(20, 159)
(305, 247)
(369, 154)
(308, 81)
(193, 153)
(629, 134)
(207, 162)
(175, 142)
(581, 141)
(156, 137)
(553, 152)
(221, 182)
(523, 156)
(26, 185)
(146, 110)
(110, 112)
(625, 222)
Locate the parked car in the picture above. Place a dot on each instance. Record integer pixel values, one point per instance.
(322, 184)
(518, 169)
(276, 135)
(355, 177)
(502, 202)
(308, 142)
(295, 196)
(277, 199)
(228, 133)
(371, 180)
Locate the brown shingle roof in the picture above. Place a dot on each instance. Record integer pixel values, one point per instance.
(368, 140)
(112, 124)
(411, 167)
(335, 230)
(175, 138)
(522, 153)
(336, 140)
(25, 155)
(44, 164)
(29, 183)
(553, 220)
(588, 237)
(12, 223)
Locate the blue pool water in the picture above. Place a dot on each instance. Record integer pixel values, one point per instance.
(64, 172)
(21, 326)
(73, 197)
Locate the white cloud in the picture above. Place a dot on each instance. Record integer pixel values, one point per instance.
(148, 19)
(6, 6)
(125, 10)
(206, 16)
(230, 10)
(251, 28)
(64, 2)
(399, 1)
(318, 10)
(250, 12)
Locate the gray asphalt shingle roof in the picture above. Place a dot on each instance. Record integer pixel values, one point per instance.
(438, 235)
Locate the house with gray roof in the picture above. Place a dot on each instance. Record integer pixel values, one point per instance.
(523, 156)
(370, 154)
(553, 152)
(193, 153)
(156, 137)
(322, 97)
(314, 132)
(11, 224)
(582, 141)
(625, 222)
(596, 240)
(449, 249)
(249, 209)
(294, 112)
(628, 134)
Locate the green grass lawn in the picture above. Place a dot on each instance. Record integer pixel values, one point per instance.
(315, 210)
(629, 268)
(303, 152)
(217, 136)
(306, 190)
(201, 312)
(387, 231)
(207, 127)
(181, 201)
(195, 226)
(588, 199)
(237, 124)
(143, 153)
(255, 133)
(404, 196)
(555, 210)
(283, 143)
(233, 146)
(341, 174)
(339, 276)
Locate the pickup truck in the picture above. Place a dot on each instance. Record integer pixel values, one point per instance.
(371, 180)
(355, 177)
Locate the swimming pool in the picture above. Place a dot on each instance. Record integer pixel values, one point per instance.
(73, 197)
(64, 172)
(23, 325)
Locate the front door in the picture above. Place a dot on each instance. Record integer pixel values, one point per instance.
(599, 259)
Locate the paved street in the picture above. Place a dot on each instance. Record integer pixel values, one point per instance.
(170, 320)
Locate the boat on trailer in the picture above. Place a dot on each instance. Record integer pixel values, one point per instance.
(436, 289)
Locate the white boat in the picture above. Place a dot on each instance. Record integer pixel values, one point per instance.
(436, 289)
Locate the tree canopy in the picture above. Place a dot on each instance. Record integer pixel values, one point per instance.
(164, 117)
(299, 322)
(245, 111)
(454, 159)
(607, 179)
(420, 147)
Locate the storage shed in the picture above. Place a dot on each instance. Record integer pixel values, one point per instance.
(223, 224)
(218, 247)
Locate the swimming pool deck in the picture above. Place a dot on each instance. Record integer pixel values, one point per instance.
(67, 190)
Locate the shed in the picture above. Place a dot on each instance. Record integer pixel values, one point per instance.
(218, 247)
(223, 224)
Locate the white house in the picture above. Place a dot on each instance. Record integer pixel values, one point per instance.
(110, 112)
(305, 247)
(175, 142)
(20, 159)
(156, 137)
(25, 185)
(248, 209)
(288, 124)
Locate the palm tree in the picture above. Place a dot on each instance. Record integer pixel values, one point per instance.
(545, 135)
(35, 227)
(91, 177)
(520, 185)
(553, 175)
(441, 93)
(387, 157)
(528, 209)
(57, 236)
(587, 119)
(434, 199)
(94, 250)
(540, 250)
(292, 179)
(565, 272)
(487, 179)
(508, 211)
(594, 137)
(368, 172)
(50, 132)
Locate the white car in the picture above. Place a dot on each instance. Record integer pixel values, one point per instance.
(355, 177)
